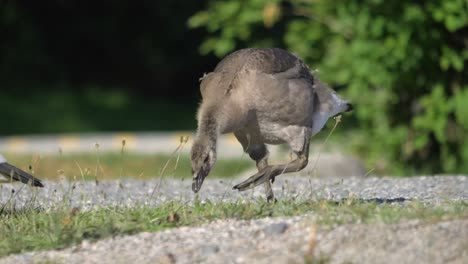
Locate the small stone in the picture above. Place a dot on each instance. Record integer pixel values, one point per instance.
(209, 250)
(275, 229)
(168, 258)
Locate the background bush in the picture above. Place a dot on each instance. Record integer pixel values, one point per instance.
(402, 63)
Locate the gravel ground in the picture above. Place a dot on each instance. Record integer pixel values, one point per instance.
(261, 241)
(87, 194)
(269, 240)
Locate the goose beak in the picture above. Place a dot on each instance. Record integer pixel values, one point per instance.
(198, 179)
(349, 107)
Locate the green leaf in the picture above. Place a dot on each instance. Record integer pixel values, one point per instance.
(461, 106)
(454, 23)
(199, 19)
(420, 141)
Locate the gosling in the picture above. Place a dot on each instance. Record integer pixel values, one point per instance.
(263, 96)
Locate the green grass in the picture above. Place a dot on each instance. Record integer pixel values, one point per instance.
(32, 229)
(116, 166)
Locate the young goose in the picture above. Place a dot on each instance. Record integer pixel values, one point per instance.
(10, 171)
(263, 96)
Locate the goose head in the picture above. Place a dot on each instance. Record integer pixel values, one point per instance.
(327, 104)
(203, 157)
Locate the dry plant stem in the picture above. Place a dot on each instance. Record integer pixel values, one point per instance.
(30, 183)
(97, 162)
(238, 168)
(369, 172)
(81, 171)
(122, 151)
(312, 242)
(12, 196)
(320, 147)
(183, 141)
(228, 188)
(82, 179)
(337, 121)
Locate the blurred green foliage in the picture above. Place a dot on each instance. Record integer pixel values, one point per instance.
(402, 63)
(92, 109)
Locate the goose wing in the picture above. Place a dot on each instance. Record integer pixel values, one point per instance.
(270, 61)
(277, 62)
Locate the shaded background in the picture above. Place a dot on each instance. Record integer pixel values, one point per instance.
(72, 66)
(82, 66)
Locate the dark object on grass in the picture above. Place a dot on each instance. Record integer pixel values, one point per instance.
(263, 96)
(12, 172)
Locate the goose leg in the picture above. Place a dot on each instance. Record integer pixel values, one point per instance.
(269, 172)
(259, 153)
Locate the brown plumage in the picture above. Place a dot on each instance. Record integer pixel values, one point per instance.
(263, 96)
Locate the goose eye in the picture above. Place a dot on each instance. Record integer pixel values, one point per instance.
(206, 159)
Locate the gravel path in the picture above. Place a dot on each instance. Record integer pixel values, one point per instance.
(86, 194)
(232, 241)
(268, 240)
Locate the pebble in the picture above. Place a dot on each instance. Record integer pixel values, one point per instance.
(209, 249)
(275, 229)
